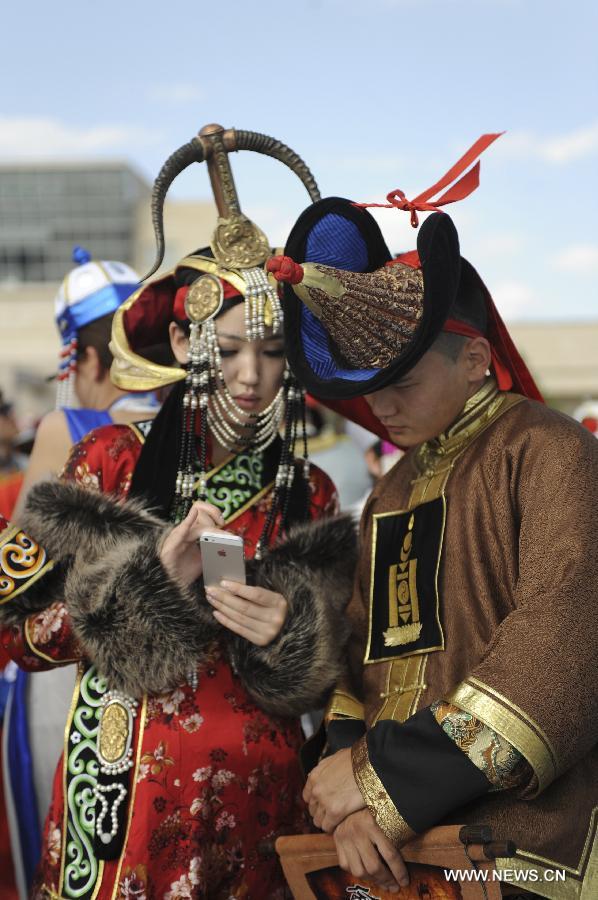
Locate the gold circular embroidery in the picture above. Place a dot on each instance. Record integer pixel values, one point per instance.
(21, 557)
(204, 299)
(115, 728)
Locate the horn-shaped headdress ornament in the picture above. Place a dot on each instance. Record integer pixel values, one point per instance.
(196, 291)
(237, 242)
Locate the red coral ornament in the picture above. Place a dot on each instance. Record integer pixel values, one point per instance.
(285, 269)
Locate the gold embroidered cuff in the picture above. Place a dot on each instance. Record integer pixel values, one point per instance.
(376, 797)
(22, 562)
(343, 705)
(512, 723)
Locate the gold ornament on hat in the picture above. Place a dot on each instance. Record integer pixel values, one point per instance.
(204, 299)
(238, 243)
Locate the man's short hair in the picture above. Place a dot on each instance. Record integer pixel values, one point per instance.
(449, 344)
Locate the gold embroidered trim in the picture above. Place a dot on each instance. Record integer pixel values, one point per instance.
(404, 686)
(134, 774)
(435, 459)
(138, 434)
(376, 797)
(345, 705)
(426, 650)
(129, 370)
(22, 563)
(512, 723)
(579, 884)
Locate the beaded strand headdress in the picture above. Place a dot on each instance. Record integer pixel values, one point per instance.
(238, 253)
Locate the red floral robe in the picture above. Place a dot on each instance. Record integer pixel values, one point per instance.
(215, 779)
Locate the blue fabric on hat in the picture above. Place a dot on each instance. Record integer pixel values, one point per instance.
(337, 242)
(101, 303)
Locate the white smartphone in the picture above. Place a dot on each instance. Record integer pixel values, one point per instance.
(222, 558)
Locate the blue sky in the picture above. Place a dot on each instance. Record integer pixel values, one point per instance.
(374, 95)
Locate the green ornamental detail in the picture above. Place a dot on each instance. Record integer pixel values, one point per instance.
(80, 866)
(236, 483)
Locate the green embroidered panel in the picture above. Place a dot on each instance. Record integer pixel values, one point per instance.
(236, 483)
(81, 868)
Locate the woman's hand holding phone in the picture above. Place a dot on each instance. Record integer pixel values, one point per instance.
(251, 612)
(180, 554)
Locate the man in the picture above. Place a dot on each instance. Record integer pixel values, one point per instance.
(470, 691)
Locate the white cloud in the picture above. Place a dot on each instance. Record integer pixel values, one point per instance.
(578, 258)
(514, 299)
(44, 137)
(558, 149)
(176, 94)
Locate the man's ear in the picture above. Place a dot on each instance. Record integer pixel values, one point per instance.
(90, 359)
(477, 358)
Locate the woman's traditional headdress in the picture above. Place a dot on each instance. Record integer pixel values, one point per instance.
(195, 291)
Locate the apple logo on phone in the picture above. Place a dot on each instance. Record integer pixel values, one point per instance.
(222, 553)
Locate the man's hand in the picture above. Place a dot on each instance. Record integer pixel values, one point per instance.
(251, 612)
(331, 791)
(179, 554)
(365, 851)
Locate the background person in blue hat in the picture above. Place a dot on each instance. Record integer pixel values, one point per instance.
(86, 397)
(37, 708)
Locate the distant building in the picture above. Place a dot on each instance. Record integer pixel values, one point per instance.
(45, 209)
(563, 357)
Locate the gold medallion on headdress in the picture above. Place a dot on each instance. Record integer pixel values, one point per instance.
(204, 299)
(238, 243)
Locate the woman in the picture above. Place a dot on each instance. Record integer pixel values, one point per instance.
(192, 773)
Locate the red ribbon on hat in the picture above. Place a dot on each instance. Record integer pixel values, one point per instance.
(461, 189)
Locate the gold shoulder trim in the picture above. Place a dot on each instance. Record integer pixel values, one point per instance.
(376, 797)
(344, 705)
(138, 434)
(499, 713)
